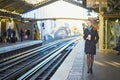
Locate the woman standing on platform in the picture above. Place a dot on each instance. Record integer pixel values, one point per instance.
(91, 38)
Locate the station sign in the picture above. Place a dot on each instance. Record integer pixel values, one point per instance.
(96, 3)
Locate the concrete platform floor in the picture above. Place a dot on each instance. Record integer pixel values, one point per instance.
(106, 67)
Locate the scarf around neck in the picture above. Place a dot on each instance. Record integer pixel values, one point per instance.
(90, 28)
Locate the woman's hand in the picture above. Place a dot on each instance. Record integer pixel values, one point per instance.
(89, 37)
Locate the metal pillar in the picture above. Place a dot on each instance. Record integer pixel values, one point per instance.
(0, 28)
(115, 33)
(13, 24)
(106, 34)
(101, 32)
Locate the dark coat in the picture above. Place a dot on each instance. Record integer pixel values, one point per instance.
(90, 45)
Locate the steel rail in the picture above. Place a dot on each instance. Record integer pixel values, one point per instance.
(6, 77)
(36, 68)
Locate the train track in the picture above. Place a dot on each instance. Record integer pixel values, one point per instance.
(8, 54)
(45, 71)
(21, 64)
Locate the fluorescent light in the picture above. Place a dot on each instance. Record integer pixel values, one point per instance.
(34, 1)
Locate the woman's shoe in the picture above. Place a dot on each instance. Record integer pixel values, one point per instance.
(88, 71)
(91, 71)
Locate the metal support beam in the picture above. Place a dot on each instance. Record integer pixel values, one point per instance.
(74, 2)
(117, 5)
